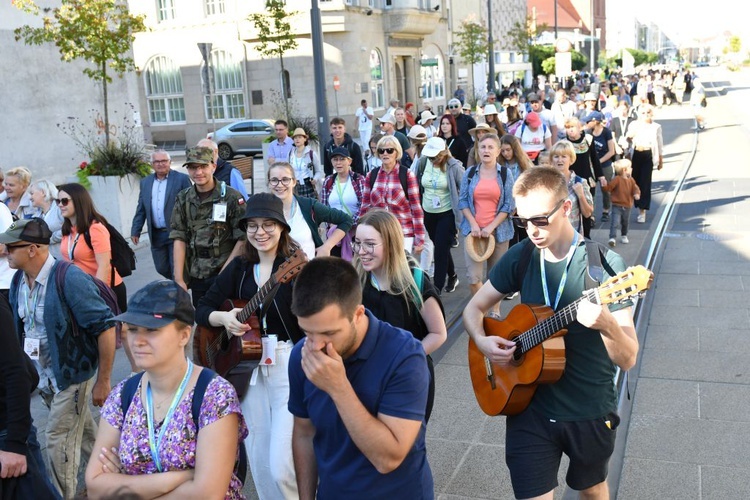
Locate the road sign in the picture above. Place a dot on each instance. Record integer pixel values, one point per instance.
(336, 83)
(563, 64)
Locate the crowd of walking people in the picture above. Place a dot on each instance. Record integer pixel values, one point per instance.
(343, 384)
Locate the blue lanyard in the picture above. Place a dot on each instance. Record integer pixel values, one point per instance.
(374, 282)
(564, 278)
(154, 442)
(34, 296)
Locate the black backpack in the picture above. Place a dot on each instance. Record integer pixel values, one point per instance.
(123, 257)
(402, 170)
(206, 376)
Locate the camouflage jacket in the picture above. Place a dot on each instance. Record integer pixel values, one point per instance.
(209, 243)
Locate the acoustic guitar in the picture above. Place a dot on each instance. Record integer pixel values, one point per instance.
(539, 357)
(219, 349)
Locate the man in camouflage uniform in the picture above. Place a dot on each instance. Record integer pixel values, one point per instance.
(205, 225)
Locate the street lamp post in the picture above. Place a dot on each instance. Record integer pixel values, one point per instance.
(319, 70)
(591, 40)
(491, 77)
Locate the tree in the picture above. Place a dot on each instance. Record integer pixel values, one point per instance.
(97, 31)
(522, 35)
(275, 38)
(472, 45)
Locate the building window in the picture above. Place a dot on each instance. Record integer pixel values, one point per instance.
(164, 10)
(228, 97)
(214, 7)
(164, 91)
(433, 77)
(376, 80)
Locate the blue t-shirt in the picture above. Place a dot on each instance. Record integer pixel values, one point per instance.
(389, 375)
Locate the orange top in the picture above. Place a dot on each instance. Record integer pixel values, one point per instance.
(486, 199)
(83, 256)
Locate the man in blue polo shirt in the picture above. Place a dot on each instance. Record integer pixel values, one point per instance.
(358, 392)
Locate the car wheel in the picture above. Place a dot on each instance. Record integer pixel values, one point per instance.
(225, 151)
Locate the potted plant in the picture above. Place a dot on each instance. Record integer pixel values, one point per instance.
(123, 157)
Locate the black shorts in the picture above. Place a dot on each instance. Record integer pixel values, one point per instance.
(534, 446)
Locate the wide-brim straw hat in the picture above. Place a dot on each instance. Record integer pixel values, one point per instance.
(479, 249)
(481, 127)
(299, 131)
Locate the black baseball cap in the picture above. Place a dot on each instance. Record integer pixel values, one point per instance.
(29, 230)
(158, 304)
(340, 151)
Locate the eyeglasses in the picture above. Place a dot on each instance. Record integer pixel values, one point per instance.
(268, 226)
(539, 220)
(63, 202)
(453, 107)
(367, 246)
(285, 181)
(160, 161)
(389, 151)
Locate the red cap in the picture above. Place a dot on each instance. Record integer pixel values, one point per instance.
(533, 120)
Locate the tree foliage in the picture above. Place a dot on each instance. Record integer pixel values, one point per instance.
(472, 45)
(735, 44)
(97, 31)
(522, 35)
(275, 37)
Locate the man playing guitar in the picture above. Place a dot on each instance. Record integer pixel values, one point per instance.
(577, 414)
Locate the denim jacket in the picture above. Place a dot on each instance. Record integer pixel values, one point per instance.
(74, 358)
(504, 231)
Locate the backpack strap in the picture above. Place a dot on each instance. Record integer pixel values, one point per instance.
(373, 176)
(60, 272)
(402, 178)
(128, 392)
(472, 173)
(87, 238)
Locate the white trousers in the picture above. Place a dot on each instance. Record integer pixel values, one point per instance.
(269, 442)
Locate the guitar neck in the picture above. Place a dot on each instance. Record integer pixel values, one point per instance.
(547, 328)
(257, 300)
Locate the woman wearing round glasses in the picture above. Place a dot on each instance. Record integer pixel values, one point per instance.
(395, 289)
(85, 243)
(305, 215)
(563, 155)
(385, 189)
(486, 200)
(269, 243)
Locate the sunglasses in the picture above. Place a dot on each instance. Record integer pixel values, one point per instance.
(63, 202)
(453, 107)
(539, 220)
(389, 151)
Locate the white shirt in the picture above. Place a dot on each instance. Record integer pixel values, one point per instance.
(345, 199)
(301, 232)
(364, 122)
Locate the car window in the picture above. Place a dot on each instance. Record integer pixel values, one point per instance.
(242, 127)
(260, 126)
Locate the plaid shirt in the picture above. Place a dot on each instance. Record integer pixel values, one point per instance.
(387, 193)
(358, 183)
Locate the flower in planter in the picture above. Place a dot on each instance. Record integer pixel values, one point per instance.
(124, 154)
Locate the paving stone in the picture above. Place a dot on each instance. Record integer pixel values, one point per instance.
(654, 479)
(725, 340)
(444, 456)
(688, 282)
(677, 398)
(700, 366)
(678, 316)
(724, 298)
(725, 402)
(677, 298)
(454, 382)
(668, 337)
(722, 483)
(455, 419)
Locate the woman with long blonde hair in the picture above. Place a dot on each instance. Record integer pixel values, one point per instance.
(394, 288)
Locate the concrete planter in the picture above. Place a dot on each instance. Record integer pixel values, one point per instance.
(116, 198)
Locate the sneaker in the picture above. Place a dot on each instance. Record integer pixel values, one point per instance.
(454, 242)
(511, 296)
(623, 239)
(612, 242)
(641, 218)
(605, 216)
(452, 283)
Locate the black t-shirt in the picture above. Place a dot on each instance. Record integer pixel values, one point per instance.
(393, 308)
(237, 281)
(586, 389)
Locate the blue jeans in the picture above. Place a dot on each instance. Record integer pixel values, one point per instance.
(35, 483)
(618, 216)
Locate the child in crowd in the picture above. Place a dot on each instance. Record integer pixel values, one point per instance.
(543, 160)
(623, 190)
